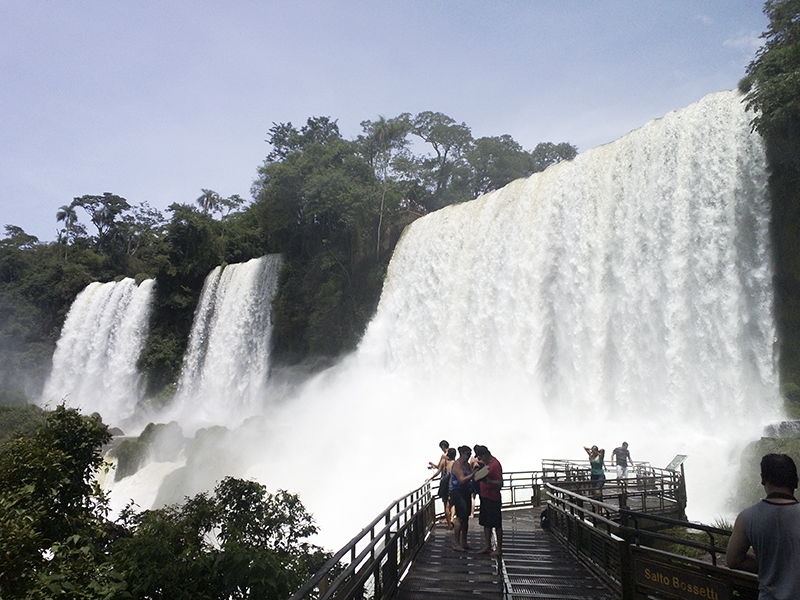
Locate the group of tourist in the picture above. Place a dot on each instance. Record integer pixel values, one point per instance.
(462, 478)
(620, 457)
(771, 527)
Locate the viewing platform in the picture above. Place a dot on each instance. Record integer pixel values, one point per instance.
(631, 542)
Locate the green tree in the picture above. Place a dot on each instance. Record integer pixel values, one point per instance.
(317, 199)
(241, 542)
(445, 173)
(209, 201)
(772, 87)
(103, 212)
(141, 228)
(383, 143)
(495, 162)
(72, 228)
(548, 153)
(55, 540)
(773, 77)
(52, 513)
(192, 247)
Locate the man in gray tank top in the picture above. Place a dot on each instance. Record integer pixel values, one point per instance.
(772, 529)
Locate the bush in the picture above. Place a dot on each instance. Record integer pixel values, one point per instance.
(18, 419)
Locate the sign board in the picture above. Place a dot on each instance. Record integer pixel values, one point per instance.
(676, 462)
(678, 582)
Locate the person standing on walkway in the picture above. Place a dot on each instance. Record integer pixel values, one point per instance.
(622, 456)
(772, 528)
(597, 469)
(491, 515)
(461, 497)
(439, 466)
(445, 471)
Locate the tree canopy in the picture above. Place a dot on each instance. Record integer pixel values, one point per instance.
(773, 77)
(772, 87)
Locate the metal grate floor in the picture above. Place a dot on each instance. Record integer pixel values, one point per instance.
(534, 565)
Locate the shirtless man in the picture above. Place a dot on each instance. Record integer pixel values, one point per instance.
(439, 466)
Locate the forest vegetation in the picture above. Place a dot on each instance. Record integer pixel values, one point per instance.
(57, 542)
(772, 87)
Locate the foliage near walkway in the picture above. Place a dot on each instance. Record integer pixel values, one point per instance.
(56, 542)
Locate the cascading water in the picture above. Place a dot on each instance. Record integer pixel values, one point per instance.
(94, 364)
(625, 295)
(225, 368)
(636, 278)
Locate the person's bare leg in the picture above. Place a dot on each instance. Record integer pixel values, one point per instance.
(499, 534)
(464, 528)
(457, 525)
(487, 537)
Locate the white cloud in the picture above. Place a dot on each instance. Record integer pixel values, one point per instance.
(747, 42)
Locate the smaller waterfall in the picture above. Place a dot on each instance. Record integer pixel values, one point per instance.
(94, 364)
(225, 368)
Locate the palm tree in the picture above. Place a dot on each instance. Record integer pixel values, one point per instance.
(67, 214)
(209, 201)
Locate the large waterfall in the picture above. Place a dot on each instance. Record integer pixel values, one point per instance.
(94, 365)
(225, 368)
(636, 279)
(625, 295)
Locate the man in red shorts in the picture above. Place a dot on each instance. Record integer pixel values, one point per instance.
(491, 516)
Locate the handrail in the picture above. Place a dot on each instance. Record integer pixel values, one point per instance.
(599, 534)
(405, 524)
(377, 563)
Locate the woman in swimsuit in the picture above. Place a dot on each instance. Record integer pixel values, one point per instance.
(597, 469)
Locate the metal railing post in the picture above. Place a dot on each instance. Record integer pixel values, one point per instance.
(626, 575)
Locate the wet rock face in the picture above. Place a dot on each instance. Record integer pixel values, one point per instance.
(784, 429)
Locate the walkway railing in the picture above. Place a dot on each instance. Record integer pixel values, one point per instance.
(649, 489)
(370, 565)
(621, 545)
(624, 548)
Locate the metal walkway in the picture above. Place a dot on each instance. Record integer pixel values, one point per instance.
(404, 554)
(534, 565)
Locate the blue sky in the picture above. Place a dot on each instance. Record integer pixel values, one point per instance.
(155, 100)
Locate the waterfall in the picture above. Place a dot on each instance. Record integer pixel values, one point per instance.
(94, 364)
(225, 368)
(625, 295)
(635, 278)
